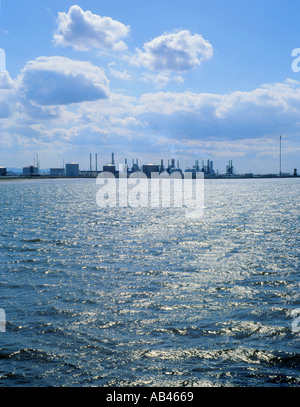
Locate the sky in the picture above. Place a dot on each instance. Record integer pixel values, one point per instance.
(189, 80)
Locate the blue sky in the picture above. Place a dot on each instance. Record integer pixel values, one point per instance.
(193, 79)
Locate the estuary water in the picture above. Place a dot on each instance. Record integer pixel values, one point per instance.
(147, 297)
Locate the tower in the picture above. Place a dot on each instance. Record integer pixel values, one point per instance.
(280, 156)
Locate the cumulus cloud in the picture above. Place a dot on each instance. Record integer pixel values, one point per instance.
(160, 79)
(282, 98)
(7, 95)
(84, 30)
(5, 81)
(179, 51)
(122, 75)
(5, 109)
(271, 109)
(236, 124)
(204, 105)
(62, 81)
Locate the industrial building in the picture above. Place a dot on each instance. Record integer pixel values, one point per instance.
(135, 166)
(172, 170)
(161, 168)
(229, 168)
(3, 171)
(57, 172)
(193, 171)
(109, 168)
(208, 168)
(72, 170)
(30, 170)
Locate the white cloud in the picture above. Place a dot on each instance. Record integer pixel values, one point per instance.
(123, 75)
(84, 30)
(169, 103)
(271, 100)
(62, 81)
(160, 79)
(126, 122)
(5, 81)
(179, 51)
(7, 95)
(243, 125)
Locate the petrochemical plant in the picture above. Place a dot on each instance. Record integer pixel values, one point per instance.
(72, 170)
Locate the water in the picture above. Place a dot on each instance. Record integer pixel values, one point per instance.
(144, 297)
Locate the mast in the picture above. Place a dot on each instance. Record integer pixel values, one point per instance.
(280, 156)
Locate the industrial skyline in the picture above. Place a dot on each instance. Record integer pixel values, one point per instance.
(73, 169)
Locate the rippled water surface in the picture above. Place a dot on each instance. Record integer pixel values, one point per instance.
(147, 297)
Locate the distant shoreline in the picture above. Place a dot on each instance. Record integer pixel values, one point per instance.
(8, 178)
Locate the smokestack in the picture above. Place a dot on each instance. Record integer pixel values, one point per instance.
(113, 158)
(90, 162)
(280, 156)
(96, 164)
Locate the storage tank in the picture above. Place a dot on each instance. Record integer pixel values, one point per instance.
(149, 168)
(109, 168)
